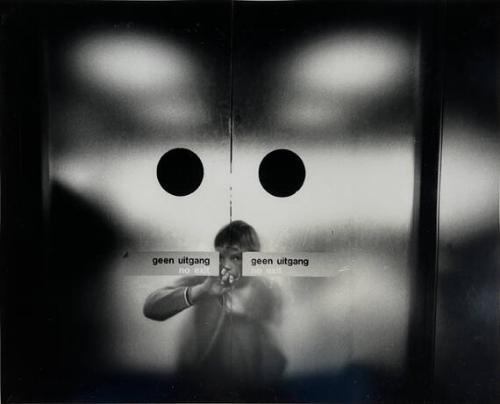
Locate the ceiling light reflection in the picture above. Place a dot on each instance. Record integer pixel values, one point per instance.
(352, 62)
(130, 62)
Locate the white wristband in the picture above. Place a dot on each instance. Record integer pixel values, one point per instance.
(186, 299)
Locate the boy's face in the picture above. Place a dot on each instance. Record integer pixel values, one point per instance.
(230, 259)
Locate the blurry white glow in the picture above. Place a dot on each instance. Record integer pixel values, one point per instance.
(367, 188)
(122, 182)
(130, 62)
(354, 62)
(469, 176)
(145, 77)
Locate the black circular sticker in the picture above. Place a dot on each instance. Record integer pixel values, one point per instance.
(180, 172)
(282, 173)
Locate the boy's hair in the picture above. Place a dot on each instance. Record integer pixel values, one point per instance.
(238, 233)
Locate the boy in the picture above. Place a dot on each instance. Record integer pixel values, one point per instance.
(229, 338)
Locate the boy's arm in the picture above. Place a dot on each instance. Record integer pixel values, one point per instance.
(167, 302)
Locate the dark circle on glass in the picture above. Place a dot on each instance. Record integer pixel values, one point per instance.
(282, 173)
(180, 172)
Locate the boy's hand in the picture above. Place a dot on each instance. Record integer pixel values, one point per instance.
(213, 286)
(227, 278)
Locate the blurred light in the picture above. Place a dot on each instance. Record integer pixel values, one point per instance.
(352, 62)
(142, 78)
(327, 83)
(469, 176)
(122, 182)
(129, 62)
(368, 189)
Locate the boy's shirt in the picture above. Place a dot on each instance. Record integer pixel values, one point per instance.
(230, 337)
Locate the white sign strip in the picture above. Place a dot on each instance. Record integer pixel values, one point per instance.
(171, 263)
(293, 264)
